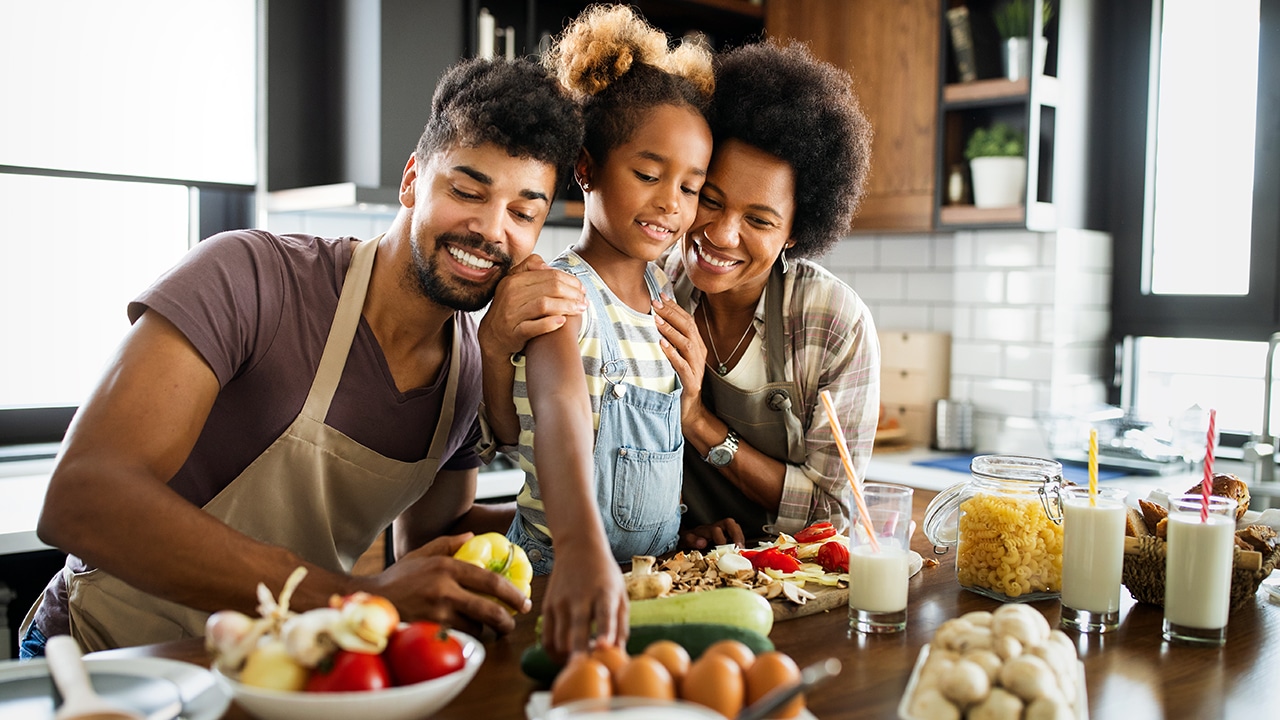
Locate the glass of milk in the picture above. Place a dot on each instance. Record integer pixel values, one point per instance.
(878, 577)
(1198, 558)
(1092, 558)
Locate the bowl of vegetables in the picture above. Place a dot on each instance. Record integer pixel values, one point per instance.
(352, 659)
(415, 700)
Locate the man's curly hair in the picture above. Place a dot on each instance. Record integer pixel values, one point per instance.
(784, 101)
(620, 68)
(514, 104)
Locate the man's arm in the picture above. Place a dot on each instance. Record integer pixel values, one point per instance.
(449, 507)
(109, 503)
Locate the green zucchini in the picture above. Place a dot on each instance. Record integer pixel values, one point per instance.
(693, 637)
(722, 606)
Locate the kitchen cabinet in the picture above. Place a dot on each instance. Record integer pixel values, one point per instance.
(1050, 107)
(891, 50)
(915, 372)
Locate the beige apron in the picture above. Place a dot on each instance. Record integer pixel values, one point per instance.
(314, 491)
(767, 418)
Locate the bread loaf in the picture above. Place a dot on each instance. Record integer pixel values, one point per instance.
(1228, 486)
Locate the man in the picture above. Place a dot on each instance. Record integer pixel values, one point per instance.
(280, 400)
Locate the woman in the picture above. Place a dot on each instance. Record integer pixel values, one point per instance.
(791, 157)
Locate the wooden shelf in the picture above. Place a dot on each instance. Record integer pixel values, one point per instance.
(971, 215)
(980, 91)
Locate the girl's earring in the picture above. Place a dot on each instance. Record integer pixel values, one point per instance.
(786, 266)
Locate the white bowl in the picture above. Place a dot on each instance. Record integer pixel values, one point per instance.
(631, 707)
(406, 702)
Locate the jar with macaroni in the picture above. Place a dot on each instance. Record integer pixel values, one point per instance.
(1006, 525)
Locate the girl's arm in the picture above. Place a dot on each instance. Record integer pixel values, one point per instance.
(586, 587)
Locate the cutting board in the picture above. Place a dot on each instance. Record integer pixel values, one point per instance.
(828, 598)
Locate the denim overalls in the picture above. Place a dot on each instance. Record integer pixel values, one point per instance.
(638, 453)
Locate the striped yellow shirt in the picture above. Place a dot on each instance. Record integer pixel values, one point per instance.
(643, 364)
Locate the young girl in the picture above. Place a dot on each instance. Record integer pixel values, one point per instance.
(598, 401)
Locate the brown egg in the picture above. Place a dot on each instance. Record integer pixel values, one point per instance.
(770, 670)
(644, 677)
(734, 650)
(673, 657)
(614, 657)
(581, 679)
(714, 681)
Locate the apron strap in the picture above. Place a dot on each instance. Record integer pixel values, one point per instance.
(345, 321)
(447, 404)
(775, 336)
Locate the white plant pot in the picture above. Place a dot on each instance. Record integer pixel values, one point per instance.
(998, 181)
(1017, 58)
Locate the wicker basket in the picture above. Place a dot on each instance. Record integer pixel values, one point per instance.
(1144, 574)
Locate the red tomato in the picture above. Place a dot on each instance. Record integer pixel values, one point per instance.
(350, 671)
(815, 532)
(833, 557)
(422, 651)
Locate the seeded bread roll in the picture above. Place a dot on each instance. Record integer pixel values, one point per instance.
(1228, 486)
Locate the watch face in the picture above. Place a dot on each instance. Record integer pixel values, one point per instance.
(719, 456)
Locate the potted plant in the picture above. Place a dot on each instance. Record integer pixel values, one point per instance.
(1013, 22)
(998, 165)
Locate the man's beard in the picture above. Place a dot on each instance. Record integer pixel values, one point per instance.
(454, 292)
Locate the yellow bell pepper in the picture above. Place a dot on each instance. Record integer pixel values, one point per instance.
(494, 552)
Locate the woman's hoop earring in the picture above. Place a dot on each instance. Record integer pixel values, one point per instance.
(786, 266)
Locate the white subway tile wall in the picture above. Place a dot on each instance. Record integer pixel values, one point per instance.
(1028, 314)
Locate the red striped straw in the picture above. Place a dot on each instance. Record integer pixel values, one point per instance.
(1206, 486)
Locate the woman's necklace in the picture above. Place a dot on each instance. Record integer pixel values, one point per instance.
(721, 368)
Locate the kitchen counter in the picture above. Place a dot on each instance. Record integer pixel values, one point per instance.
(1131, 674)
(23, 483)
(899, 467)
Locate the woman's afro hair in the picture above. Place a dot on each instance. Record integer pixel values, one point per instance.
(620, 67)
(782, 100)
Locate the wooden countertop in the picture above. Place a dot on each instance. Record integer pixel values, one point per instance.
(1131, 673)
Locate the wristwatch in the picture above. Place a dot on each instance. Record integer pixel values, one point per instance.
(722, 454)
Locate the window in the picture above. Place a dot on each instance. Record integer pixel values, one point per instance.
(129, 130)
(1196, 229)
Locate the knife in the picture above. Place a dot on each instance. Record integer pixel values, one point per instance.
(776, 698)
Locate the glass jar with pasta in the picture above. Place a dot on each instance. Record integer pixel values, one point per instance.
(1006, 525)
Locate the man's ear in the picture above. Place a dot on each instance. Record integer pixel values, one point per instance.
(408, 181)
(583, 168)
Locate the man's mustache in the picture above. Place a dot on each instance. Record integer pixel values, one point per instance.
(483, 248)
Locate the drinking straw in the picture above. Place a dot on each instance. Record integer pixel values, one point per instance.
(1093, 467)
(1206, 485)
(848, 468)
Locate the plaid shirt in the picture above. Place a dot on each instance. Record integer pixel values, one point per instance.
(832, 346)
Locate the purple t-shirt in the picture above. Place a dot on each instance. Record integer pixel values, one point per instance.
(258, 307)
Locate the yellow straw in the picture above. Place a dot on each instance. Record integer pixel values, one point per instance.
(848, 468)
(1093, 467)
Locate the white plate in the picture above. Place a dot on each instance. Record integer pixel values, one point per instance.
(540, 702)
(202, 697)
(1082, 700)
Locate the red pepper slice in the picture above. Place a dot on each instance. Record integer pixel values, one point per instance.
(815, 532)
(772, 559)
(833, 557)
